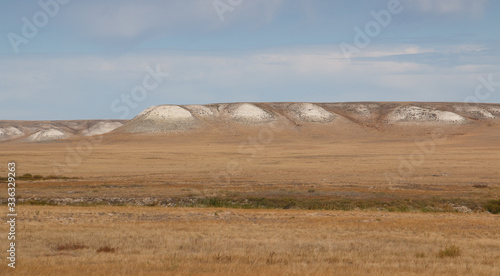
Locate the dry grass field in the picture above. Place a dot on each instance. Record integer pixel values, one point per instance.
(121, 240)
(317, 201)
(359, 169)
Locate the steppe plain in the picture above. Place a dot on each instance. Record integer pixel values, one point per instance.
(260, 189)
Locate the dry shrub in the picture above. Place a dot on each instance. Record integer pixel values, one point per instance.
(451, 251)
(223, 258)
(270, 259)
(70, 246)
(480, 186)
(105, 249)
(493, 206)
(420, 255)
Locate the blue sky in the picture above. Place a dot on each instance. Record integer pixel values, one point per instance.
(86, 56)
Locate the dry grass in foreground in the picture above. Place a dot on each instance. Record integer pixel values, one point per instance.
(123, 240)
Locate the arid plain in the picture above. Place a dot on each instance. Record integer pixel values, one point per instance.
(372, 188)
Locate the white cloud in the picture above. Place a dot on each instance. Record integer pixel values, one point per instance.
(470, 7)
(310, 73)
(128, 19)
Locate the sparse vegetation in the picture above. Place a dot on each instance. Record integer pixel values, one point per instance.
(223, 258)
(480, 186)
(70, 246)
(450, 251)
(493, 206)
(182, 241)
(271, 258)
(105, 249)
(312, 203)
(239, 201)
(420, 255)
(30, 177)
(37, 202)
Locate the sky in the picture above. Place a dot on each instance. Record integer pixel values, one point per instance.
(111, 59)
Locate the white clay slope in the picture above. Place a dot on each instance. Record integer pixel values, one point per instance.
(249, 113)
(360, 110)
(10, 133)
(101, 128)
(200, 110)
(414, 114)
(494, 111)
(169, 113)
(475, 111)
(162, 118)
(47, 135)
(145, 111)
(310, 113)
(226, 116)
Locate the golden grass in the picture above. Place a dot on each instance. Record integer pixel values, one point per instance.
(306, 168)
(324, 168)
(114, 240)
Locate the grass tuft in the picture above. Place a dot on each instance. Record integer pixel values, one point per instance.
(420, 255)
(480, 186)
(270, 259)
(70, 246)
(222, 258)
(493, 206)
(105, 249)
(450, 251)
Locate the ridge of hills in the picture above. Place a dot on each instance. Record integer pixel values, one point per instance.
(239, 117)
